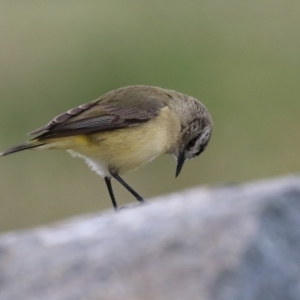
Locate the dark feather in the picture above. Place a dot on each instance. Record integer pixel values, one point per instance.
(20, 147)
(63, 117)
(122, 108)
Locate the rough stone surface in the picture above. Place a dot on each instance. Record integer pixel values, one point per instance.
(235, 242)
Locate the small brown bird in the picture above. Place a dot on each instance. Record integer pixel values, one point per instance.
(125, 129)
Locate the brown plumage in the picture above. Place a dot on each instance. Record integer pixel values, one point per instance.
(126, 128)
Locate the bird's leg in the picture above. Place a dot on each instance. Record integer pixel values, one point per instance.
(130, 189)
(111, 193)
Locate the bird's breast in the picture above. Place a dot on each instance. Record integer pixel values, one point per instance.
(129, 148)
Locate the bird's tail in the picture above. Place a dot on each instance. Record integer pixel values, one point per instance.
(27, 145)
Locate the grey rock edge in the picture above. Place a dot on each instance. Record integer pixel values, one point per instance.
(236, 242)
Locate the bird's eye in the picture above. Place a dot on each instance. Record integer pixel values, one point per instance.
(191, 143)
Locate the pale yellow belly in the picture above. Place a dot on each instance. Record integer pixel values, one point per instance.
(126, 149)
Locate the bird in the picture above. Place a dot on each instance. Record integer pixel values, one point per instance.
(125, 129)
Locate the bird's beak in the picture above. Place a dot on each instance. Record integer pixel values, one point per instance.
(180, 162)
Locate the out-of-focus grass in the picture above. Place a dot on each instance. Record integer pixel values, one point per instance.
(240, 58)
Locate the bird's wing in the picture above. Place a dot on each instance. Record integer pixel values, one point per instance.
(106, 113)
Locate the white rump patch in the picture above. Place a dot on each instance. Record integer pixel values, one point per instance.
(99, 167)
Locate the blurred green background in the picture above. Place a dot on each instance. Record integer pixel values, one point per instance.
(241, 58)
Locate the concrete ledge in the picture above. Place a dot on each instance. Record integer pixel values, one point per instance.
(237, 242)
